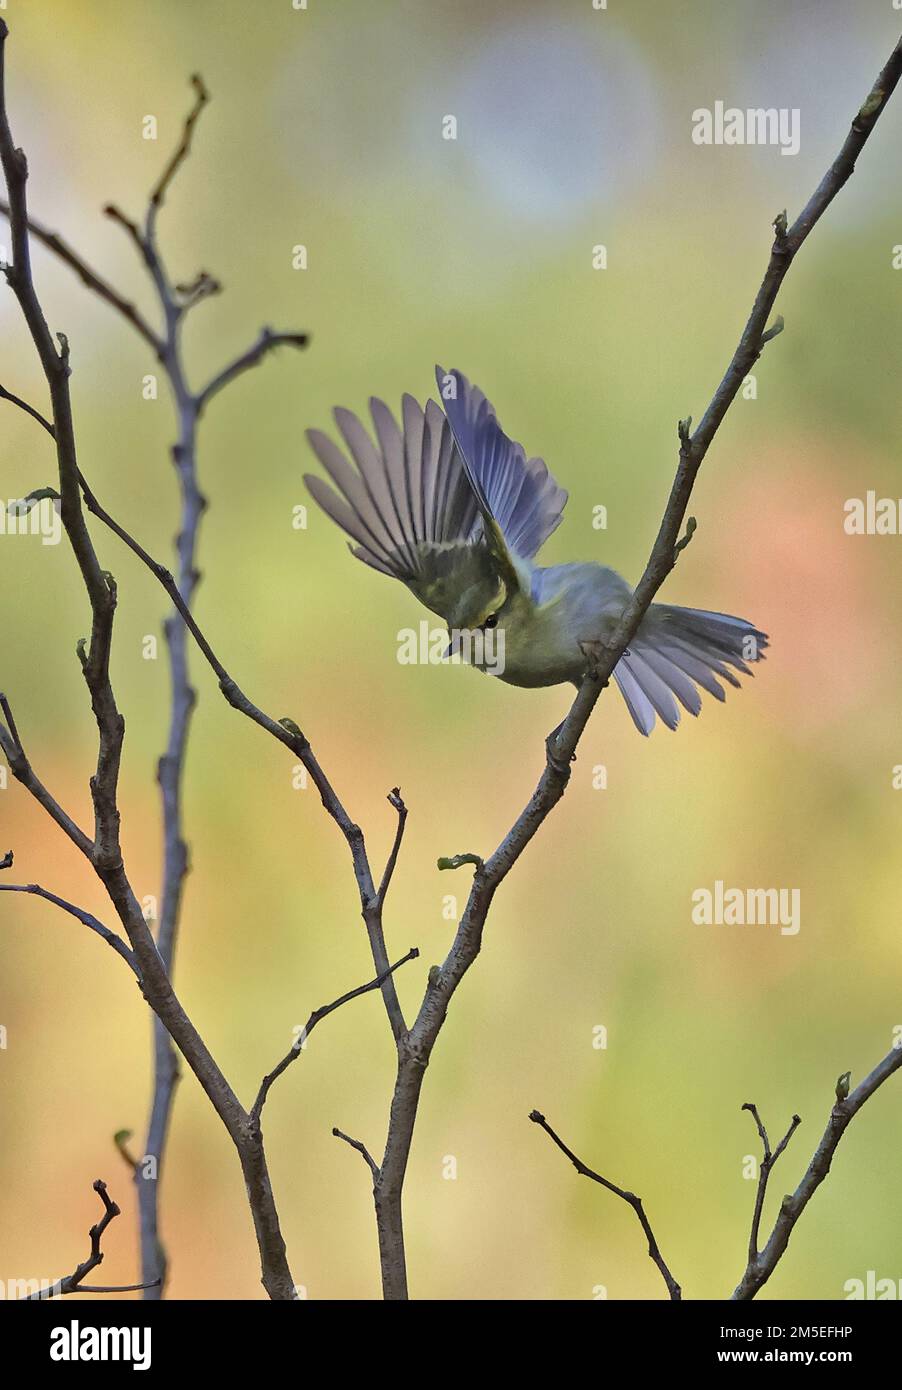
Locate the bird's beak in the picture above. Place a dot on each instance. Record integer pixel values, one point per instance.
(453, 647)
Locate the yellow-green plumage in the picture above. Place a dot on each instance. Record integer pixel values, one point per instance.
(452, 507)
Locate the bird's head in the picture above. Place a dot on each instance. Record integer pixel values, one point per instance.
(489, 612)
(478, 601)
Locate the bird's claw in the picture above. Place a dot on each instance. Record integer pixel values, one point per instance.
(561, 767)
(592, 651)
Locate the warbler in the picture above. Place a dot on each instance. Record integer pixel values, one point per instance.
(450, 505)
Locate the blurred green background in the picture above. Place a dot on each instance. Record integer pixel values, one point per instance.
(574, 130)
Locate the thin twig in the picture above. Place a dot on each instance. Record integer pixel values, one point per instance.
(316, 1017)
(94, 282)
(635, 1202)
(131, 229)
(73, 1283)
(173, 302)
(361, 1149)
(100, 586)
(114, 1288)
(29, 409)
(81, 915)
(202, 96)
(267, 342)
(767, 1162)
(22, 770)
(395, 799)
(8, 715)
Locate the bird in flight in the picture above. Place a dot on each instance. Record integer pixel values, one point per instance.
(450, 505)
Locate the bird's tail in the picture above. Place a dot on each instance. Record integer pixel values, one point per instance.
(677, 650)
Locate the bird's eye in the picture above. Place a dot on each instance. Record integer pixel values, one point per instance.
(491, 620)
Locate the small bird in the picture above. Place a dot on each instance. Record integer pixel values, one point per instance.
(452, 507)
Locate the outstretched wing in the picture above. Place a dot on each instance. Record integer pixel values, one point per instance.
(408, 495)
(519, 500)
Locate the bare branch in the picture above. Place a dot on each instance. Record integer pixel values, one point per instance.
(29, 410)
(394, 798)
(105, 852)
(361, 1149)
(267, 342)
(131, 229)
(157, 197)
(100, 586)
(8, 715)
(96, 283)
(635, 1202)
(110, 937)
(112, 1288)
(317, 1017)
(373, 905)
(767, 1162)
(284, 730)
(174, 300)
(762, 1265)
(73, 1283)
(22, 770)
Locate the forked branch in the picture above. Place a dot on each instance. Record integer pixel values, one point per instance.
(74, 1282)
(761, 1264)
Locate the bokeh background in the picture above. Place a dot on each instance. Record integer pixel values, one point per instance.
(574, 130)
